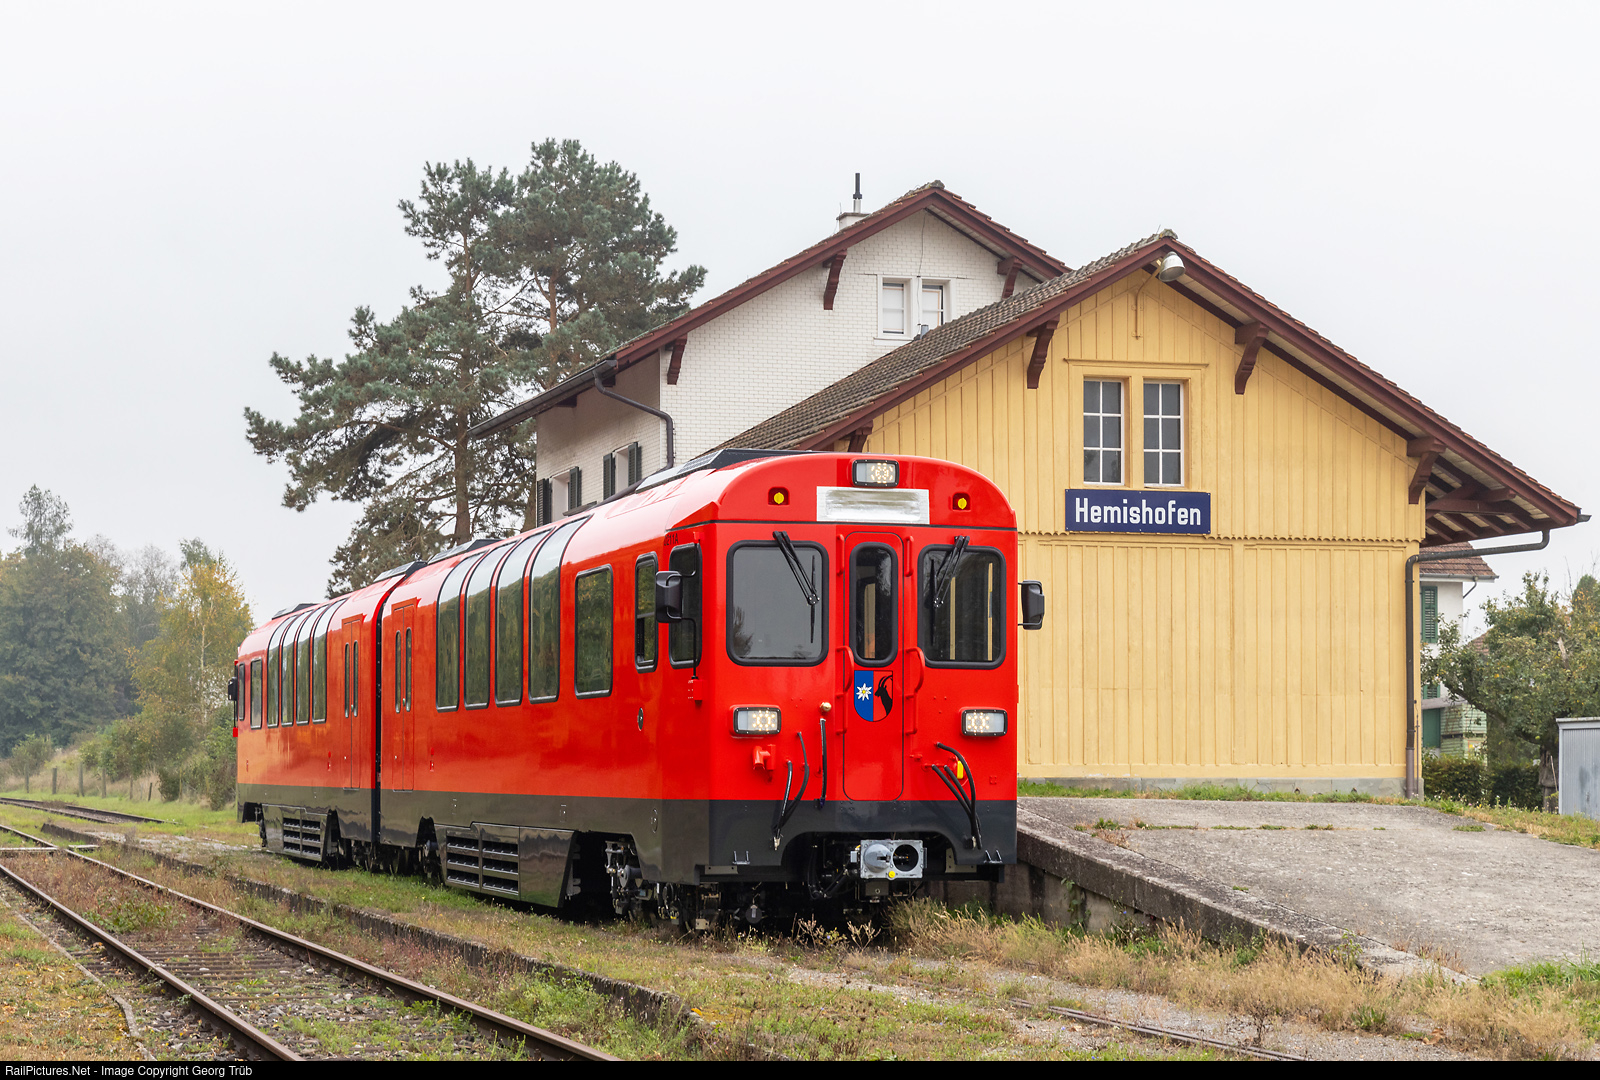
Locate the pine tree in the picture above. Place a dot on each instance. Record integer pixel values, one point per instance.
(546, 271)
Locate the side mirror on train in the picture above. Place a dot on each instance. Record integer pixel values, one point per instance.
(1032, 605)
(669, 596)
(233, 688)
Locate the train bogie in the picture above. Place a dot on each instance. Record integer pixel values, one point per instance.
(755, 683)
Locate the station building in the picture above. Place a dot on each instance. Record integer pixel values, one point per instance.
(1220, 502)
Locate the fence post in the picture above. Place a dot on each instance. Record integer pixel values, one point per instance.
(53, 770)
(80, 779)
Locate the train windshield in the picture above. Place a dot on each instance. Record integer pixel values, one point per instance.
(961, 605)
(776, 612)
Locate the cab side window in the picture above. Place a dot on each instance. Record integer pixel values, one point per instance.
(255, 693)
(646, 631)
(683, 640)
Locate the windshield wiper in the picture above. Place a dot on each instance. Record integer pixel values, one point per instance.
(946, 571)
(807, 586)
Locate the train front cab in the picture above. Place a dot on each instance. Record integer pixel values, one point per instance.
(855, 692)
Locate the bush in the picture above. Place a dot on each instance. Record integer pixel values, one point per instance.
(1470, 781)
(170, 783)
(1461, 779)
(1516, 785)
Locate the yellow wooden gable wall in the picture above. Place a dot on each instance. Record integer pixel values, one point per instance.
(1275, 647)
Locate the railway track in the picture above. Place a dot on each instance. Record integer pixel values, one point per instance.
(1077, 1015)
(244, 977)
(110, 817)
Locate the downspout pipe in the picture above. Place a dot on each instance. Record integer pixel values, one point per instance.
(1413, 639)
(610, 369)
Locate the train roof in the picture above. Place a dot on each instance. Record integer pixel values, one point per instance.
(724, 484)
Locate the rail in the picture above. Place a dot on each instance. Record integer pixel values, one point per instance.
(546, 1044)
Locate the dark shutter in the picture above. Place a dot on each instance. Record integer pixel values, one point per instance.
(635, 464)
(574, 489)
(542, 510)
(608, 476)
(1430, 613)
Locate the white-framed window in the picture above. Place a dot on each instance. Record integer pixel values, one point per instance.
(892, 308)
(1102, 431)
(1163, 434)
(934, 304)
(560, 494)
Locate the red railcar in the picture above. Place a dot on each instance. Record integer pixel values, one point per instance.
(752, 683)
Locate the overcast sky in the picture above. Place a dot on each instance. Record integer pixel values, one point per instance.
(188, 189)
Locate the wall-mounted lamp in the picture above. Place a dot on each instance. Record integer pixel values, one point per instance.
(1170, 268)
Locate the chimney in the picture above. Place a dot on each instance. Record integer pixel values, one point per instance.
(854, 214)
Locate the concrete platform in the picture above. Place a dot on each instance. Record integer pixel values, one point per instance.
(1399, 882)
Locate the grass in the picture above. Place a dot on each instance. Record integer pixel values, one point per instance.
(1536, 1013)
(758, 994)
(179, 818)
(49, 1010)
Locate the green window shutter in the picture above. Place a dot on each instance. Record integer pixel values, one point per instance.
(1430, 614)
(574, 489)
(635, 464)
(608, 476)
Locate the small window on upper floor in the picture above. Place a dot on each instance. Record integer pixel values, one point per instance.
(892, 309)
(933, 306)
(1163, 434)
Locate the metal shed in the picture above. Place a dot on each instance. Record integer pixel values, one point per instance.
(1579, 774)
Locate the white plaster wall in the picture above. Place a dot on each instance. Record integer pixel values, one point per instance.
(583, 436)
(1449, 599)
(781, 346)
(770, 352)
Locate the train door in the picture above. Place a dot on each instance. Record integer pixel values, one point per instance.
(400, 626)
(875, 633)
(349, 651)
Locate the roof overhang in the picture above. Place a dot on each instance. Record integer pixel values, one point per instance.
(934, 199)
(1469, 492)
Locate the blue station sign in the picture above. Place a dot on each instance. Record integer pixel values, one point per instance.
(1121, 511)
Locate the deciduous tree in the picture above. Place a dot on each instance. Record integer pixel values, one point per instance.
(61, 639)
(1538, 662)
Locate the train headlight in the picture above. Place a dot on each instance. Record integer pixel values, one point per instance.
(885, 474)
(983, 722)
(757, 720)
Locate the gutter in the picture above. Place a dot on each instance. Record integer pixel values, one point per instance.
(609, 367)
(1413, 643)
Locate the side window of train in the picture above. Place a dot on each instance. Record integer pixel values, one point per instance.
(509, 611)
(684, 638)
(544, 615)
(272, 678)
(302, 667)
(591, 633)
(646, 631)
(319, 665)
(447, 636)
(286, 673)
(255, 693)
(479, 593)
